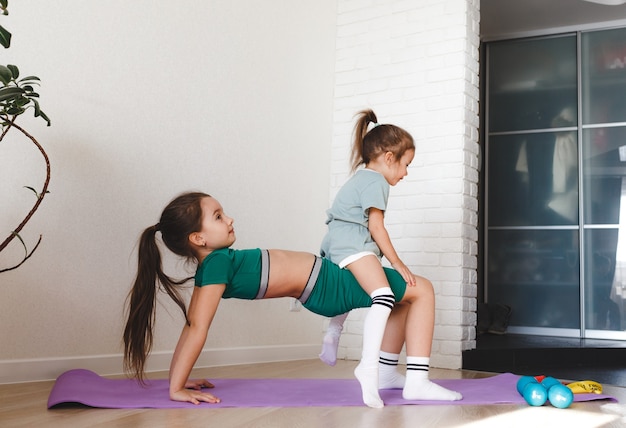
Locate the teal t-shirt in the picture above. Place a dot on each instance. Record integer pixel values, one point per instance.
(240, 270)
(348, 217)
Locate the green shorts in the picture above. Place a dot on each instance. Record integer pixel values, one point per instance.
(336, 291)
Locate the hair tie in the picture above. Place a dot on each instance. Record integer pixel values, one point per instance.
(157, 227)
(375, 124)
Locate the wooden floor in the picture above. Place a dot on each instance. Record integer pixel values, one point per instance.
(24, 405)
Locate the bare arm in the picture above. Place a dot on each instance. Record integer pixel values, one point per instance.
(202, 308)
(381, 237)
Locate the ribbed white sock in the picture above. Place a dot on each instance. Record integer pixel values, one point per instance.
(388, 375)
(330, 343)
(373, 331)
(419, 387)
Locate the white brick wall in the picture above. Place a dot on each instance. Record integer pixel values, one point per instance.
(415, 63)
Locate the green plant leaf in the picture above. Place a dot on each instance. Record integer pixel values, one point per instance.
(21, 101)
(15, 111)
(39, 195)
(5, 75)
(37, 108)
(5, 37)
(39, 113)
(31, 79)
(46, 118)
(32, 189)
(15, 72)
(17, 235)
(8, 93)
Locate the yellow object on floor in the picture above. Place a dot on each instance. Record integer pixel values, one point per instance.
(585, 387)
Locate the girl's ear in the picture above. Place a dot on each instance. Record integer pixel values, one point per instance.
(389, 158)
(196, 239)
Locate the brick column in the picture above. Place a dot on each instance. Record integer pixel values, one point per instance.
(415, 63)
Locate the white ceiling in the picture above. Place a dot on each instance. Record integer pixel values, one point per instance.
(513, 18)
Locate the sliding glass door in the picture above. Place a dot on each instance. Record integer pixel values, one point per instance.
(555, 224)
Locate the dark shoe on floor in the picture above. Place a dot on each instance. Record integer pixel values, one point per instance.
(500, 315)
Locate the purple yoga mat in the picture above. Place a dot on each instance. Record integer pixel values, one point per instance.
(86, 387)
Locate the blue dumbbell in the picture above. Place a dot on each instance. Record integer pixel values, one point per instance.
(535, 394)
(549, 382)
(560, 396)
(522, 382)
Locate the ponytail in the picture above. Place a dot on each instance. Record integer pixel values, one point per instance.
(359, 155)
(368, 145)
(180, 218)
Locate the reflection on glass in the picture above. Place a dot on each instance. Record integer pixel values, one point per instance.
(533, 179)
(601, 311)
(604, 76)
(530, 82)
(536, 273)
(603, 172)
(615, 319)
(604, 181)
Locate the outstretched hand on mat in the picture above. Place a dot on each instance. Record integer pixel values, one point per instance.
(198, 384)
(192, 392)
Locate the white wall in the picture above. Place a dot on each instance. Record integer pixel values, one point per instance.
(415, 63)
(149, 98)
(241, 99)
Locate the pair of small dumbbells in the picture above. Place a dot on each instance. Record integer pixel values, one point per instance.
(536, 392)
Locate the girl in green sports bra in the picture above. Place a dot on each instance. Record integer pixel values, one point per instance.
(195, 227)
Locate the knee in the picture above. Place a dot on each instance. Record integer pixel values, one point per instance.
(423, 291)
(427, 290)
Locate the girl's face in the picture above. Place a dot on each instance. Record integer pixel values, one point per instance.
(217, 228)
(397, 169)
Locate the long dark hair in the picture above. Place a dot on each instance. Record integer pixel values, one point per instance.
(367, 145)
(181, 217)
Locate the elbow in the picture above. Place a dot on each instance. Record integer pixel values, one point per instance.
(377, 232)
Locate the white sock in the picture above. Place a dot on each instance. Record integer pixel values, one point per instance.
(373, 331)
(419, 387)
(330, 343)
(388, 375)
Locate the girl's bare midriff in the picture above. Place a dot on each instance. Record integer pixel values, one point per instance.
(289, 273)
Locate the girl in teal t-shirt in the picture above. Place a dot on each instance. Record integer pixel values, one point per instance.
(357, 239)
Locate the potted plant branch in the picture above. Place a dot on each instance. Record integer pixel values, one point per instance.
(17, 96)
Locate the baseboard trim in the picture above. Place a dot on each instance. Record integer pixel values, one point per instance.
(45, 369)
